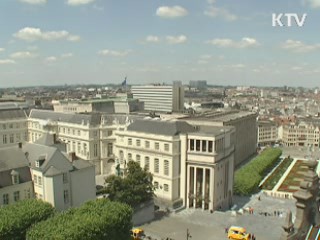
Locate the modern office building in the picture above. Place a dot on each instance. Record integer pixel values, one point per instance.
(191, 166)
(160, 98)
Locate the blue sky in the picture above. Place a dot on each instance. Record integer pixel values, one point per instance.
(225, 42)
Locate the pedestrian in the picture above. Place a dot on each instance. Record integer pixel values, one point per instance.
(226, 230)
(275, 213)
(253, 237)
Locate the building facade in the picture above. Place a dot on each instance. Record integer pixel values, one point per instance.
(267, 133)
(189, 165)
(160, 98)
(64, 182)
(13, 127)
(15, 177)
(303, 132)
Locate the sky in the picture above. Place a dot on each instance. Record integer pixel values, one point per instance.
(226, 42)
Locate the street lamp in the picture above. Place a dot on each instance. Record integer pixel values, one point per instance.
(188, 234)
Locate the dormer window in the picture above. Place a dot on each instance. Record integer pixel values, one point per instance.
(15, 177)
(40, 161)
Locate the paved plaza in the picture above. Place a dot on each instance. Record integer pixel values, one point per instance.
(203, 225)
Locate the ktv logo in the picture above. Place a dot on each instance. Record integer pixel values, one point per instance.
(288, 19)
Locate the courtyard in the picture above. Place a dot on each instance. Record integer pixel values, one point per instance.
(265, 222)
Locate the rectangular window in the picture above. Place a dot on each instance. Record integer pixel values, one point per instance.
(166, 147)
(146, 163)
(138, 159)
(204, 146)
(18, 136)
(156, 185)
(5, 199)
(191, 145)
(73, 132)
(35, 179)
(129, 141)
(39, 180)
(129, 156)
(5, 139)
(138, 143)
(79, 147)
(66, 196)
(16, 196)
(10, 125)
(109, 133)
(156, 146)
(156, 165)
(147, 144)
(95, 150)
(166, 167)
(11, 138)
(79, 132)
(210, 146)
(4, 126)
(197, 145)
(166, 187)
(65, 177)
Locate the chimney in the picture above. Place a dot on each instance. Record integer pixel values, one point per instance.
(72, 156)
(20, 145)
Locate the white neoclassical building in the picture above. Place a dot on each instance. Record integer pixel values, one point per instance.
(191, 166)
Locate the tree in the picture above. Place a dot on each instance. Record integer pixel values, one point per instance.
(134, 189)
(15, 219)
(95, 220)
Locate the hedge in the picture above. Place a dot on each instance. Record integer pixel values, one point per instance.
(16, 218)
(98, 219)
(248, 177)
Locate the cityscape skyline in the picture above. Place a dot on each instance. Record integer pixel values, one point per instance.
(82, 41)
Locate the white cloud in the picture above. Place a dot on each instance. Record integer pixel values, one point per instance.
(7, 61)
(22, 55)
(152, 39)
(171, 12)
(79, 2)
(66, 55)
(176, 39)
(1, 50)
(299, 47)
(313, 3)
(205, 56)
(34, 2)
(220, 12)
(211, 1)
(107, 52)
(51, 59)
(33, 34)
(229, 43)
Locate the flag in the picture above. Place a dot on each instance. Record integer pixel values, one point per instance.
(124, 83)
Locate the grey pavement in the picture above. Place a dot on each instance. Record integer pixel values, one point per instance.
(203, 225)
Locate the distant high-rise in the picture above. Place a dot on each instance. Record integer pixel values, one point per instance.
(160, 98)
(199, 84)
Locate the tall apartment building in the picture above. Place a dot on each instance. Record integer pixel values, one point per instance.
(303, 132)
(191, 167)
(13, 126)
(267, 133)
(160, 98)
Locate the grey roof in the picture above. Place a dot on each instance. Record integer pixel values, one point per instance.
(11, 159)
(214, 130)
(121, 118)
(52, 171)
(75, 118)
(52, 157)
(80, 164)
(160, 127)
(13, 105)
(47, 139)
(12, 114)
